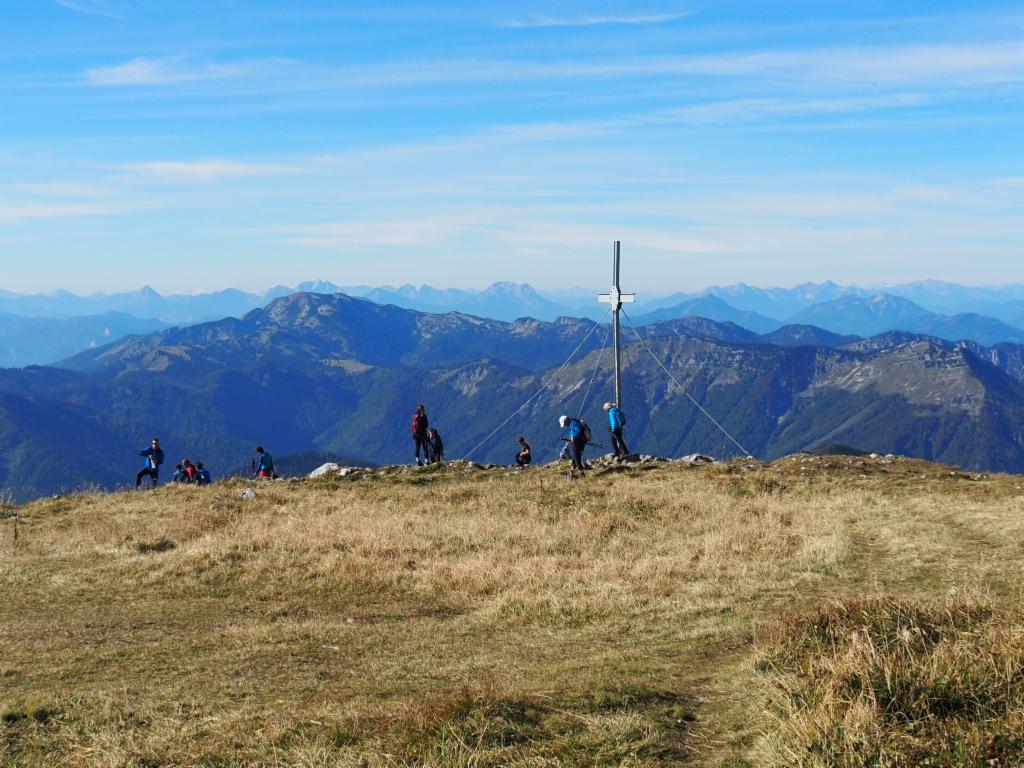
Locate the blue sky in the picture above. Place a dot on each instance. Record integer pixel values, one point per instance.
(200, 145)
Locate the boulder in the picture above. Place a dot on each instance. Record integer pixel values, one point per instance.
(323, 470)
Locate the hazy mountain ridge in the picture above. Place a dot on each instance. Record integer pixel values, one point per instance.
(882, 313)
(42, 340)
(832, 308)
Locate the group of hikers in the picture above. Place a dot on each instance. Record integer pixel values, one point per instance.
(576, 435)
(189, 473)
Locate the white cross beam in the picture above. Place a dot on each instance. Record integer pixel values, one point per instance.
(616, 298)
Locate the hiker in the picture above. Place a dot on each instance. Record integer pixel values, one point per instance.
(419, 434)
(188, 470)
(525, 456)
(154, 456)
(616, 422)
(203, 476)
(435, 444)
(179, 475)
(576, 434)
(266, 465)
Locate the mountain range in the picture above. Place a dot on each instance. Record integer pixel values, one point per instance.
(42, 329)
(334, 374)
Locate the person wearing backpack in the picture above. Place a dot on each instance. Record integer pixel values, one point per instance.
(266, 465)
(616, 423)
(188, 469)
(577, 434)
(154, 457)
(435, 444)
(419, 428)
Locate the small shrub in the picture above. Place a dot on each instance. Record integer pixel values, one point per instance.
(163, 544)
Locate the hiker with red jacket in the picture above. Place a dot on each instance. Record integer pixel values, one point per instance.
(419, 434)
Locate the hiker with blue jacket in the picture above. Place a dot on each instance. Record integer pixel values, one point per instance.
(577, 436)
(266, 464)
(154, 456)
(616, 423)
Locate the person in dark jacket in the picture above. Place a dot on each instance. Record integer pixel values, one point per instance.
(616, 423)
(203, 476)
(525, 456)
(419, 428)
(575, 434)
(266, 465)
(154, 457)
(435, 444)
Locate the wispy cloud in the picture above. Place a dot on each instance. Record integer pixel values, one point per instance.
(147, 71)
(90, 7)
(948, 66)
(591, 20)
(14, 212)
(67, 189)
(207, 170)
(356, 234)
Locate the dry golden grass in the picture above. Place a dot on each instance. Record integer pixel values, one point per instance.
(449, 618)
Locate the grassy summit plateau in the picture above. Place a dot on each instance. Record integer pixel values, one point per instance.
(817, 611)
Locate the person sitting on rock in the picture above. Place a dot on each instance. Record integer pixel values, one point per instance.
(203, 476)
(525, 456)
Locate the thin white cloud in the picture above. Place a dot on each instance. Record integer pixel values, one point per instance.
(72, 189)
(208, 170)
(591, 21)
(90, 7)
(13, 212)
(949, 67)
(146, 71)
(555, 235)
(363, 233)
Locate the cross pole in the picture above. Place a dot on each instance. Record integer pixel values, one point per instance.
(616, 298)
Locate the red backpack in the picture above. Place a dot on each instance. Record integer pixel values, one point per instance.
(419, 424)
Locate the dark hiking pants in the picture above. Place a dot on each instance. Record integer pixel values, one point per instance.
(146, 472)
(424, 443)
(578, 444)
(618, 444)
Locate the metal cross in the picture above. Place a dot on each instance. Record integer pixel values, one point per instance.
(616, 298)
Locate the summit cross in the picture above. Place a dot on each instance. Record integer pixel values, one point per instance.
(616, 298)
